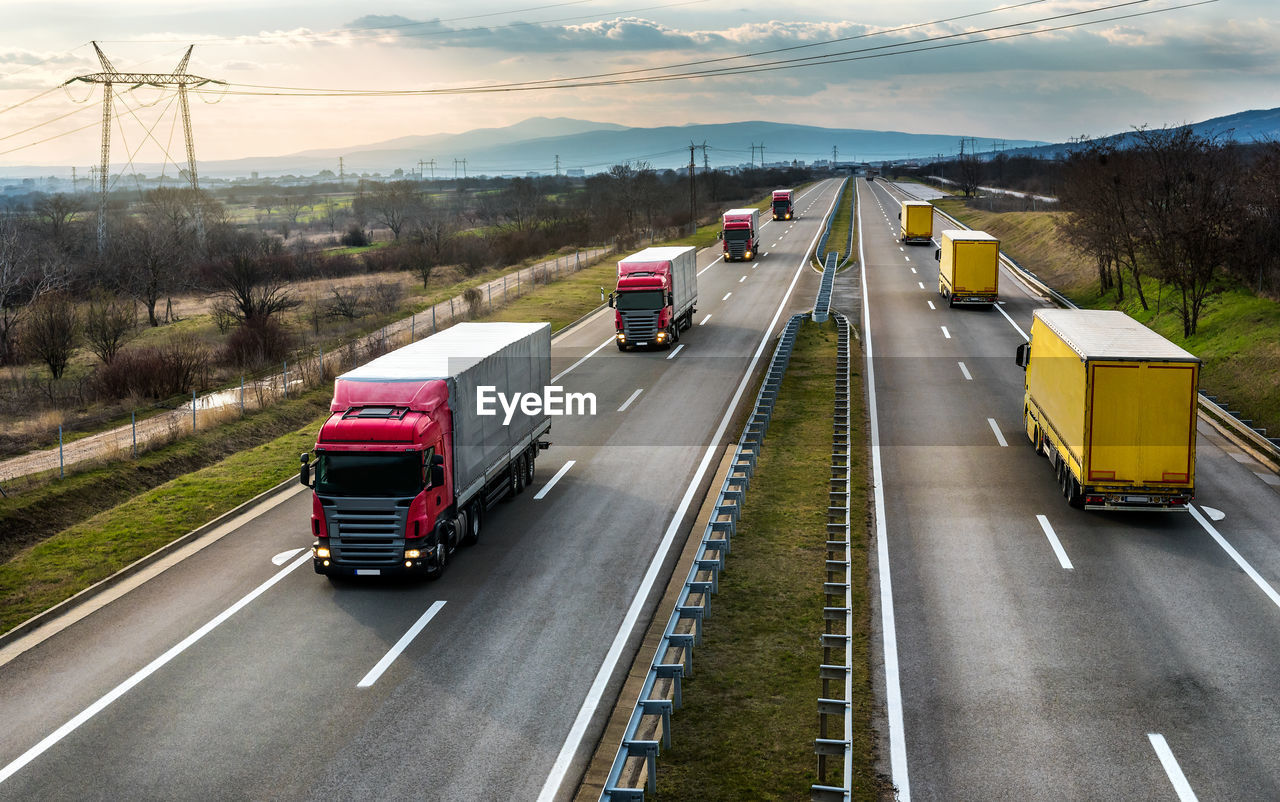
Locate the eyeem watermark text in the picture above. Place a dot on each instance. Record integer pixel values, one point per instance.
(553, 400)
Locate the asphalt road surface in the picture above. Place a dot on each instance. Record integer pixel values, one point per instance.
(233, 675)
(1045, 652)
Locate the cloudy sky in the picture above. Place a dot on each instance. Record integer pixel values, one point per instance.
(1179, 65)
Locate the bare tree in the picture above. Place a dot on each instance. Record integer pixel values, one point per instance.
(52, 331)
(346, 303)
(394, 204)
(251, 291)
(24, 277)
(110, 322)
(56, 212)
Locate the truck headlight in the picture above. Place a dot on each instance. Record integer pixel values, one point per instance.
(621, 336)
(747, 255)
(321, 552)
(662, 335)
(412, 554)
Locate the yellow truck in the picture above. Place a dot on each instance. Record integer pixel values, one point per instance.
(915, 222)
(1113, 406)
(968, 267)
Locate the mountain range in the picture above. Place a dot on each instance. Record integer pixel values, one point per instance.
(541, 144)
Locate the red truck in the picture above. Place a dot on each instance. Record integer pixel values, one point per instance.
(420, 442)
(740, 232)
(783, 204)
(656, 296)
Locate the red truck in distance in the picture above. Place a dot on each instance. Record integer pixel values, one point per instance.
(656, 296)
(784, 204)
(740, 232)
(421, 441)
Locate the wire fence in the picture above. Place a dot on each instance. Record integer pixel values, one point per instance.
(158, 424)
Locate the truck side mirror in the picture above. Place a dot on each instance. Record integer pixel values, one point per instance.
(612, 297)
(899, 215)
(437, 470)
(1024, 355)
(937, 254)
(720, 235)
(671, 299)
(304, 471)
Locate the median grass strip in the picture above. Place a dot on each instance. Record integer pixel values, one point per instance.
(750, 709)
(838, 239)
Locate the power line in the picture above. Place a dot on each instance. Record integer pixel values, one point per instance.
(896, 49)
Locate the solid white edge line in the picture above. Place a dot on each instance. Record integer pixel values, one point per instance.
(632, 397)
(547, 487)
(675, 351)
(945, 333)
(713, 262)
(562, 373)
(1054, 542)
(893, 687)
(574, 739)
(995, 427)
(965, 371)
(401, 645)
(146, 671)
(1235, 555)
(1011, 323)
(1171, 767)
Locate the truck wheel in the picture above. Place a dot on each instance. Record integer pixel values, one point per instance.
(515, 472)
(528, 465)
(472, 530)
(621, 347)
(441, 549)
(673, 334)
(1075, 496)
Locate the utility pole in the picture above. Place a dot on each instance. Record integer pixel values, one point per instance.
(557, 165)
(693, 214)
(109, 77)
(421, 164)
(455, 169)
(342, 175)
(73, 180)
(835, 153)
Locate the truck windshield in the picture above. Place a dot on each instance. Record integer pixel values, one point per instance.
(737, 234)
(397, 474)
(780, 205)
(640, 299)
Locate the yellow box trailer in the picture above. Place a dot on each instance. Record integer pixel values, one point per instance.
(968, 267)
(1113, 406)
(915, 222)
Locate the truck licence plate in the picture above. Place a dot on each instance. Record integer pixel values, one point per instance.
(368, 572)
(1137, 499)
(643, 343)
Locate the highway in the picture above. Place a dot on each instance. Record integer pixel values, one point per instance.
(1044, 652)
(237, 673)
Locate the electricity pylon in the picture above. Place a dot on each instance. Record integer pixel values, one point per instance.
(111, 76)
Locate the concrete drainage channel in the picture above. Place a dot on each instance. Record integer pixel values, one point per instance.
(648, 730)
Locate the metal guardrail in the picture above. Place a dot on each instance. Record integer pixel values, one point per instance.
(1266, 448)
(837, 613)
(822, 305)
(648, 730)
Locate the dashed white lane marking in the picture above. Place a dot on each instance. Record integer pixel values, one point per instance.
(675, 351)
(401, 645)
(726, 296)
(1179, 780)
(704, 320)
(631, 398)
(931, 306)
(945, 333)
(913, 270)
(995, 427)
(920, 284)
(1053, 539)
(547, 487)
(744, 278)
(965, 371)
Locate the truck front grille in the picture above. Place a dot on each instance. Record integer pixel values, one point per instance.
(640, 325)
(737, 250)
(366, 531)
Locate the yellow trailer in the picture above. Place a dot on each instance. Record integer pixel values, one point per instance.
(1113, 406)
(968, 267)
(915, 222)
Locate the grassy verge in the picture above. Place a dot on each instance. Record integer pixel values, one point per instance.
(1238, 336)
(843, 221)
(749, 718)
(74, 537)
